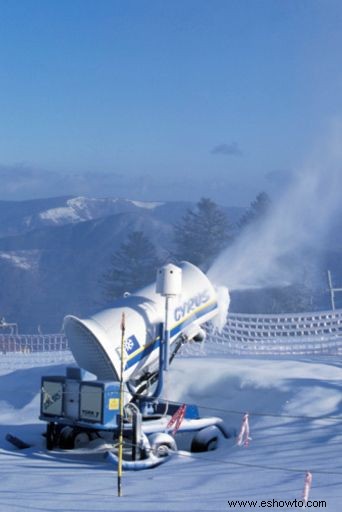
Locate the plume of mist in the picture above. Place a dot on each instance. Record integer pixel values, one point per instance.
(265, 253)
(223, 301)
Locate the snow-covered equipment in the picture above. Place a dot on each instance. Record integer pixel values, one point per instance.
(95, 342)
(159, 319)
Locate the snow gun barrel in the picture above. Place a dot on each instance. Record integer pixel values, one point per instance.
(95, 342)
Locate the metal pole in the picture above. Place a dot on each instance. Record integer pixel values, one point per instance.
(167, 336)
(332, 294)
(121, 404)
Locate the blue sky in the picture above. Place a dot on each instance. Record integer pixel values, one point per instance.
(164, 99)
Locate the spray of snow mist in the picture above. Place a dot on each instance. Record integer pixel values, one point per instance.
(297, 225)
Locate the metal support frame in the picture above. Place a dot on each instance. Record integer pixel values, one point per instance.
(332, 291)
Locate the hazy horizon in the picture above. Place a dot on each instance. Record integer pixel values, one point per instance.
(22, 183)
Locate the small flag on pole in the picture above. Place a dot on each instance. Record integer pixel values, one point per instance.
(307, 487)
(243, 437)
(176, 419)
(123, 322)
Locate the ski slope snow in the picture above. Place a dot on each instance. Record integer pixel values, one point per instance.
(295, 420)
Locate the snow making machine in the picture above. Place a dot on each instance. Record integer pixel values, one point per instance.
(82, 408)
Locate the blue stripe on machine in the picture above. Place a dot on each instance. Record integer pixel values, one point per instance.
(177, 329)
(146, 352)
(189, 320)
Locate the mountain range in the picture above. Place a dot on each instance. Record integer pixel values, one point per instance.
(55, 251)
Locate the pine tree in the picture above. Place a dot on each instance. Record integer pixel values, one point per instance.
(133, 266)
(202, 233)
(257, 210)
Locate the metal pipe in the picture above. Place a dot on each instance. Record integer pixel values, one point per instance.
(160, 384)
(166, 340)
(121, 405)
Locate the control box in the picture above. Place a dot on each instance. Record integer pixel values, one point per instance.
(72, 401)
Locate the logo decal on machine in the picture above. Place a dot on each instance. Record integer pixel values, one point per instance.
(191, 304)
(131, 344)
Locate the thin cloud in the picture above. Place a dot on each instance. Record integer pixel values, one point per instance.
(279, 177)
(231, 149)
(20, 181)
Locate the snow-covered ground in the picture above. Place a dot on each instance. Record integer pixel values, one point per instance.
(295, 418)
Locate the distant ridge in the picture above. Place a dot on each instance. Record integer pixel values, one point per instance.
(54, 251)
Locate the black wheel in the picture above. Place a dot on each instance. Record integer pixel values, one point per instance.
(52, 436)
(81, 439)
(71, 438)
(67, 438)
(206, 439)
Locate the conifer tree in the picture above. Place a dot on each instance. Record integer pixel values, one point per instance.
(257, 210)
(133, 266)
(202, 233)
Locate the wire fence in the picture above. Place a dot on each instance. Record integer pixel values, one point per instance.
(31, 350)
(284, 334)
(318, 333)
